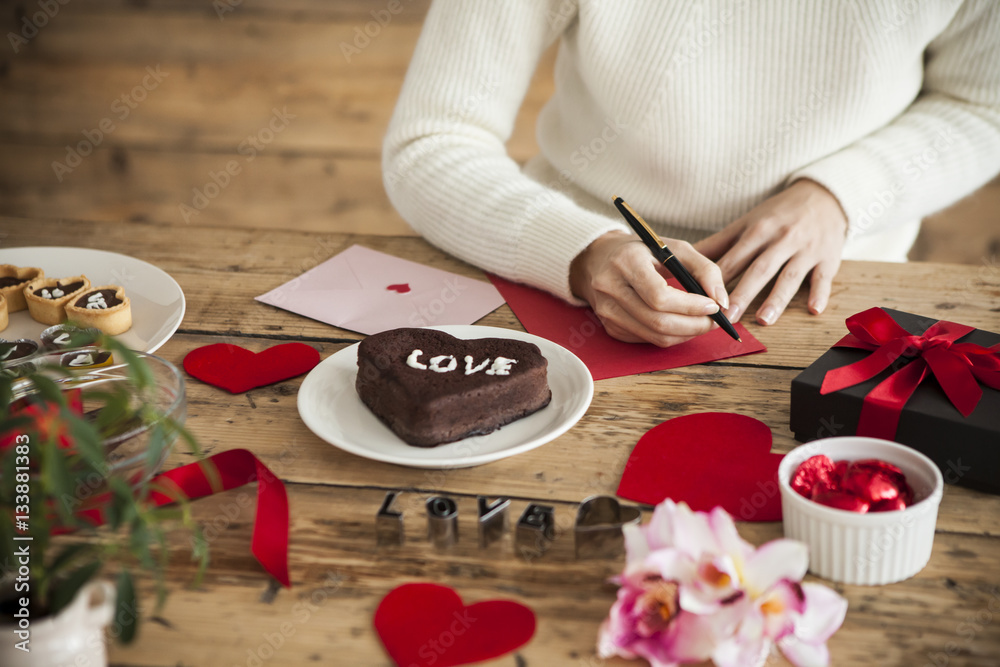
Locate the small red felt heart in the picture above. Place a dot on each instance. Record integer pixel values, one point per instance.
(705, 460)
(237, 369)
(402, 288)
(427, 624)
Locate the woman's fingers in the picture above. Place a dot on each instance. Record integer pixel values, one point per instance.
(719, 243)
(785, 287)
(705, 271)
(822, 284)
(628, 318)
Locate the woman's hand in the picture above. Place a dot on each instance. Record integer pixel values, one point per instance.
(627, 288)
(797, 231)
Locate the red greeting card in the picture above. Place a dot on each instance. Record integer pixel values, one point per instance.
(578, 330)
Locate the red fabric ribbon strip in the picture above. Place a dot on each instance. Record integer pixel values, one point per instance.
(222, 472)
(958, 367)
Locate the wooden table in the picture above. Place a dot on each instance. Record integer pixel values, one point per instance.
(949, 614)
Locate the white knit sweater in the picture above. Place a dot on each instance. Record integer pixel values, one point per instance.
(694, 112)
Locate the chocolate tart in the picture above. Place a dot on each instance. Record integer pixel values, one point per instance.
(104, 307)
(47, 297)
(13, 280)
(4, 317)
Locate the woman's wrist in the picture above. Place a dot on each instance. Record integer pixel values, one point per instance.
(581, 268)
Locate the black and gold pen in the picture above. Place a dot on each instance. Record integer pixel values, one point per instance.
(671, 261)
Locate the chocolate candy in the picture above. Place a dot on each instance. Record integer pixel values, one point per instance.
(18, 349)
(867, 485)
(89, 358)
(66, 336)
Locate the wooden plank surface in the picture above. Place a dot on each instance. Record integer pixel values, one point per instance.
(265, 259)
(226, 72)
(314, 190)
(587, 460)
(339, 575)
(305, 193)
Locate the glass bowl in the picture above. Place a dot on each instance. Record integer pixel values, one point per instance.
(128, 449)
(144, 420)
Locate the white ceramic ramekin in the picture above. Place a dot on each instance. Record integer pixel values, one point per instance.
(873, 548)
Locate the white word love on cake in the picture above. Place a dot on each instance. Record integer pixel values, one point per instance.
(445, 363)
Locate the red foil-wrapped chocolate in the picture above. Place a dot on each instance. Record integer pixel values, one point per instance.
(867, 485)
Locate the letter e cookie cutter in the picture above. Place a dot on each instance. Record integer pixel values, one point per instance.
(535, 530)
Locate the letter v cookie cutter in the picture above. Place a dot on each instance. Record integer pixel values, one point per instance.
(492, 520)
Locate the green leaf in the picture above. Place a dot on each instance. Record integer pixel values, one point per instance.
(159, 438)
(142, 376)
(127, 607)
(66, 589)
(48, 390)
(115, 412)
(6, 394)
(67, 555)
(140, 543)
(192, 443)
(122, 509)
(57, 479)
(87, 442)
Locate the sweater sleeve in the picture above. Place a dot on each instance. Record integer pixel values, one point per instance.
(944, 146)
(445, 164)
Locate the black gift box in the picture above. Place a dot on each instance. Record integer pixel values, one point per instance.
(966, 449)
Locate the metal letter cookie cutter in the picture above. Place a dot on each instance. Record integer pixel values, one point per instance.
(598, 531)
(389, 523)
(535, 530)
(442, 521)
(492, 520)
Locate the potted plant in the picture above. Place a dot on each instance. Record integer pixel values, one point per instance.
(80, 444)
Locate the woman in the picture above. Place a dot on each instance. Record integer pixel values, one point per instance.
(779, 137)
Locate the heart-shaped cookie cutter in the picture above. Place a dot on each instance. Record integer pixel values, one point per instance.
(598, 529)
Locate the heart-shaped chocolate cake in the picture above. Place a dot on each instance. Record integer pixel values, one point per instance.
(431, 388)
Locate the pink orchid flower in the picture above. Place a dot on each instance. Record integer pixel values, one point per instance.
(693, 589)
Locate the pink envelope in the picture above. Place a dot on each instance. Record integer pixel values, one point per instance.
(578, 330)
(368, 291)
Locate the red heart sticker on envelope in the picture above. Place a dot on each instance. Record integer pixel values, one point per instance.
(705, 460)
(237, 369)
(428, 624)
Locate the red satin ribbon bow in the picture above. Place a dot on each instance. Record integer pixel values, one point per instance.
(958, 367)
(222, 472)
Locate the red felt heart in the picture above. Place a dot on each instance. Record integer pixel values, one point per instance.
(237, 369)
(402, 288)
(427, 624)
(705, 460)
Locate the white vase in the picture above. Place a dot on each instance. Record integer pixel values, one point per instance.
(75, 636)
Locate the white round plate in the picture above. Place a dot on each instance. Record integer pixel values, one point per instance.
(329, 405)
(157, 299)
